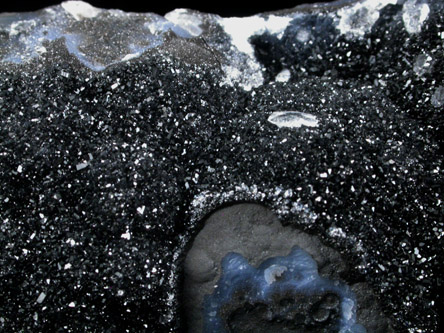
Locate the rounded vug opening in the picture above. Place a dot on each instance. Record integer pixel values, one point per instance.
(246, 272)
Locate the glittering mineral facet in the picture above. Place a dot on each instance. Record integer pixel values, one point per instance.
(120, 133)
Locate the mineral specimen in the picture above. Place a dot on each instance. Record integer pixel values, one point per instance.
(120, 133)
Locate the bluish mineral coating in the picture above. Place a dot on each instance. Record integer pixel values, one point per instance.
(119, 36)
(295, 273)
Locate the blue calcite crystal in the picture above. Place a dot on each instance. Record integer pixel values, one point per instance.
(120, 133)
(296, 273)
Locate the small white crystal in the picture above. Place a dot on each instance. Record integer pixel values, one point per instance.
(422, 64)
(283, 76)
(303, 35)
(64, 74)
(126, 235)
(40, 49)
(140, 210)
(71, 241)
(81, 166)
(41, 298)
(336, 232)
(437, 99)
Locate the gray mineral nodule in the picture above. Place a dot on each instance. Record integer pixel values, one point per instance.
(188, 172)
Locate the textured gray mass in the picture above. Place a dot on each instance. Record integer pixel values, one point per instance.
(120, 132)
(256, 233)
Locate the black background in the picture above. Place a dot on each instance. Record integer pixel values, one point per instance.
(223, 8)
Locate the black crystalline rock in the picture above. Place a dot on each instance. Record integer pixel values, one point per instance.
(121, 133)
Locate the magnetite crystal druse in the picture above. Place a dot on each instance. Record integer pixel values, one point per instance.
(275, 173)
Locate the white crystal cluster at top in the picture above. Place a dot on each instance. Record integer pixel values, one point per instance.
(240, 67)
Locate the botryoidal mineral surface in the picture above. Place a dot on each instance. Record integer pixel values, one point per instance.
(122, 134)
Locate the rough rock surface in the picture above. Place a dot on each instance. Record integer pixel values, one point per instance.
(121, 132)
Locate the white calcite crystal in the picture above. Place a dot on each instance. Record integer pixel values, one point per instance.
(80, 10)
(414, 14)
(358, 18)
(292, 119)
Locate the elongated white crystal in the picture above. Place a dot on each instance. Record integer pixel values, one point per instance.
(41, 298)
(292, 119)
